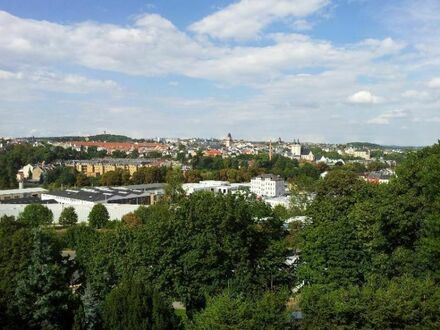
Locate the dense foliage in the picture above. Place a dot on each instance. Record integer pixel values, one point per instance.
(370, 254)
(367, 258)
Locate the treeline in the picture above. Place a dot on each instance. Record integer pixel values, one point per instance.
(370, 254)
(243, 168)
(303, 175)
(216, 254)
(63, 176)
(14, 157)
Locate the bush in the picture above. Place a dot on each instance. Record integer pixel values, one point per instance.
(98, 216)
(68, 217)
(35, 215)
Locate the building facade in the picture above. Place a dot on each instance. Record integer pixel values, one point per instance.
(97, 167)
(267, 185)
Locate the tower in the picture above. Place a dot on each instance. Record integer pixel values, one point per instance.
(228, 141)
(296, 149)
(270, 150)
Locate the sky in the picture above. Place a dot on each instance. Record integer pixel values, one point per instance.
(316, 70)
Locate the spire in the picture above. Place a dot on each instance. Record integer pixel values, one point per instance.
(270, 150)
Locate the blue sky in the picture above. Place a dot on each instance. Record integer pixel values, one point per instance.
(318, 70)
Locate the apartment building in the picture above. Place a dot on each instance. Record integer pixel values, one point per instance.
(267, 185)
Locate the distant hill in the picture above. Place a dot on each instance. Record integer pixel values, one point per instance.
(110, 138)
(365, 145)
(378, 146)
(99, 137)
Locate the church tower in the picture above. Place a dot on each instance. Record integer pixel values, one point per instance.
(228, 141)
(296, 149)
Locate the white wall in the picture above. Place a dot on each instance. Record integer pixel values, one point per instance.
(116, 211)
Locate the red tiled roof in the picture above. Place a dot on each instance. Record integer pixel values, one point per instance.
(212, 152)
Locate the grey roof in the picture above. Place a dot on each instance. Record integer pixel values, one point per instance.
(23, 191)
(305, 151)
(28, 200)
(98, 194)
(112, 161)
(270, 176)
(145, 186)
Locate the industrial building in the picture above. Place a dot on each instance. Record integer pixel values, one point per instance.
(104, 195)
(223, 187)
(12, 194)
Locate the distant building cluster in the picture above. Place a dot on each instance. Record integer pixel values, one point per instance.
(110, 147)
(97, 167)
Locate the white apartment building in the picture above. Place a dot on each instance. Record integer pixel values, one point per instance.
(267, 185)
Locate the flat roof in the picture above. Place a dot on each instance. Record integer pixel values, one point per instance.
(98, 194)
(22, 191)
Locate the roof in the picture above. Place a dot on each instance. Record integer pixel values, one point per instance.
(212, 152)
(28, 200)
(112, 161)
(23, 191)
(126, 146)
(305, 151)
(269, 176)
(145, 186)
(98, 194)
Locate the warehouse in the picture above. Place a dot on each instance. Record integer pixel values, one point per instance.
(120, 195)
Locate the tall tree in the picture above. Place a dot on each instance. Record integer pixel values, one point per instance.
(133, 305)
(42, 295)
(98, 216)
(35, 215)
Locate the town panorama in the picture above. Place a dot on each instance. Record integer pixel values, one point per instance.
(231, 164)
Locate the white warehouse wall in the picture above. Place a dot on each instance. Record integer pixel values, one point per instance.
(116, 211)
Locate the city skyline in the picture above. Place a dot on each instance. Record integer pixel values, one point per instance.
(321, 70)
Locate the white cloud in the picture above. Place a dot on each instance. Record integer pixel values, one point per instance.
(287, 80)
(246, 18)
(434, 83)
(27, 81)
(153, 46)
(363, 97)
(386, 117)
(302, 25)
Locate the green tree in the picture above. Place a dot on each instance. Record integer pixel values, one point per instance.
(98, 216)
(35, 215)
(227, 311)
(42, 295)
(332, 252)
(173, 189)
(133, 305)
(208, 242)
(15, 254)
(82, 180)
(68, 216)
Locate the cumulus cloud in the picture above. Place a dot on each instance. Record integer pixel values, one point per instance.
(246, 18)
(41, 80)
(363, 97)
(288, 79)
(153, 46)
